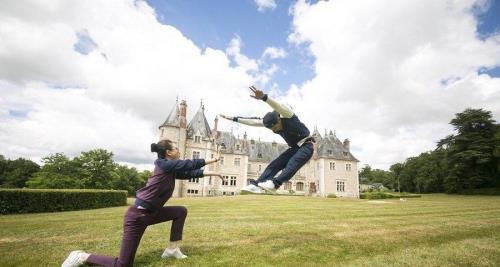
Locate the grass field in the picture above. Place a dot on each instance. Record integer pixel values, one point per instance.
(436, 230)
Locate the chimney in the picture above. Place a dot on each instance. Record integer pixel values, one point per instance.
(183, 121)
(347, 144)
(216, 122)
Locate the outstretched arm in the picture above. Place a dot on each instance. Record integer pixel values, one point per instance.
(196, 174)
(176, 165)
(284, 111)
(248, 121)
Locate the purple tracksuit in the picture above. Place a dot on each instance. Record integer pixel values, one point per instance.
(151, 198)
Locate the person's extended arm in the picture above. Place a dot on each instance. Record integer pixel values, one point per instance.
(284, 111)
(247, 121)
(186, 175)
(177, 165)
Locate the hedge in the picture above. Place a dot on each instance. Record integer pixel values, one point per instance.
(47, 200)
(383, 195)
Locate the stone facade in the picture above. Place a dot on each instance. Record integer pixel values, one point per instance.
(332, 170)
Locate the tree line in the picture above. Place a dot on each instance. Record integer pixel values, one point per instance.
(467, 160)
(94, 169)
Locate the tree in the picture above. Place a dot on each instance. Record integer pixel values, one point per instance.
(396, 171)
(98, 169)
(58, 171)
(471, 156)
(17, 172)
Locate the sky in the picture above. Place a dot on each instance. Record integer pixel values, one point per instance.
(387, 75)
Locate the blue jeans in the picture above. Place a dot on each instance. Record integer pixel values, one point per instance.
(289, 162)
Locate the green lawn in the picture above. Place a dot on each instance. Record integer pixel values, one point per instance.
(435, 230)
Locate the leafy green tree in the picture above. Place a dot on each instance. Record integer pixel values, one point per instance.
(396, 172)
(17, 172)
(98, 169)
(471, 152)
(58, 171)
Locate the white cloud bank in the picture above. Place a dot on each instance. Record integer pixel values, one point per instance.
(389, 75)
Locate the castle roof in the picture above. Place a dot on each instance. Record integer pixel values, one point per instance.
(173, 117)
(199, 124)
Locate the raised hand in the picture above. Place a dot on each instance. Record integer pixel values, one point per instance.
(257, 94)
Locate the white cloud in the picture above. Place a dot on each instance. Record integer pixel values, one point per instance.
(274, 52)
(380, 68)
(115, 96)
(263, 5)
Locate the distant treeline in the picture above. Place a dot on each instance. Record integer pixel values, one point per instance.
(466, 161)
(94, 169)
(462, 162)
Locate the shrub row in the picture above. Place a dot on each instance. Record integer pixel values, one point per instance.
(383, 195)
(47, 200)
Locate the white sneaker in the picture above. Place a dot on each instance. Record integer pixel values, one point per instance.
(176, 253)
(252, 189)
(268, 186)
(75, 258)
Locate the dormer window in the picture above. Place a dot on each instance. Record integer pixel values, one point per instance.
(259, 155)
(346, 154)
(252, 141)
(223, 146)
(197, 139)
(238, 147)
(330, 152)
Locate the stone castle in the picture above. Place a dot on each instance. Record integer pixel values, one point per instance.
(331, 170)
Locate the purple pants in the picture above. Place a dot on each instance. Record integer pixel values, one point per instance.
(134, 224)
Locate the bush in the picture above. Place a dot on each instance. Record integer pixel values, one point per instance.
(47, 200)
(332, 195)
(384, 195)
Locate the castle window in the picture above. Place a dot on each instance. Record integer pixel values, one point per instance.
(287, 186)
(225, 181)
(232, 181)
(348, 167)
(300, 186)
(197, 139)
(196, 154)
(221, 161)
(259, 155)
(340, 186)
(236, 161)
(194, 180)
(252, 141)
(346, 154)
(330, 152)
(192, 192)
(332, 166)
(238, 147)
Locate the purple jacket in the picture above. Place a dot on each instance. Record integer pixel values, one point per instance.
(160, 185)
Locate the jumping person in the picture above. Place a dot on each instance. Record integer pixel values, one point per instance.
(148, 208)
(284, 122)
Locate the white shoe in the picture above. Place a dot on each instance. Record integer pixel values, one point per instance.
(176, 253)
(75, 258)
(268, 186)
(252, 189)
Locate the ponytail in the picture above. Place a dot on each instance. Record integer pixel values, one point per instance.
(161, 148)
